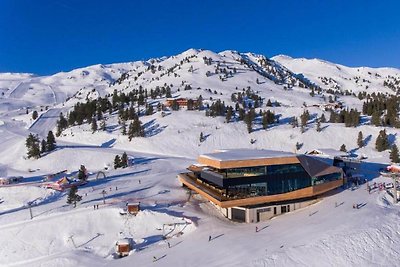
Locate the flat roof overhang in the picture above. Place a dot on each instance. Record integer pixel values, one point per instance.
(238, 158)
(298, 194)
(226, 164)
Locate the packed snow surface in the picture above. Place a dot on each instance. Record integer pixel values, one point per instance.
(175, 228)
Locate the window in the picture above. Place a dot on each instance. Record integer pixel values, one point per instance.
(245, 172)
(285, 168)
(326, 178)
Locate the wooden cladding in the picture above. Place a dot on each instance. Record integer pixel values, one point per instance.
(301, 193)
(246, 163)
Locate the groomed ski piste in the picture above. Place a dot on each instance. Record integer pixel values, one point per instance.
(173, 227)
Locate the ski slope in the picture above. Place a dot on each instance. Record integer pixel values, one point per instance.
(328, 233)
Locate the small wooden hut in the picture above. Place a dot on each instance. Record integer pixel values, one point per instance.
(133, 208)
(123, 247)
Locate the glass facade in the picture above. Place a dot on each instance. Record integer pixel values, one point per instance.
(248, 190)
(326, 178)
(243, 172)
(266, 180)
(263, 180)
(285, 168)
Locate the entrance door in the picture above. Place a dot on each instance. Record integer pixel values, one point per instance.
(283, 209)
(238, 215)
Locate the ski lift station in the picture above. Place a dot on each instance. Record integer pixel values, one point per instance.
(255, 185)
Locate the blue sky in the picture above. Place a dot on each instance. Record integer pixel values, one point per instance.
(45, 37)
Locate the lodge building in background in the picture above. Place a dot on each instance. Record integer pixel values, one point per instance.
(255, 185)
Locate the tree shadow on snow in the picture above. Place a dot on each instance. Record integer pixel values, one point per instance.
(109, 143)
(367, 140)
(143, 160)
(152, 128)
(148, 241)
(391, 138)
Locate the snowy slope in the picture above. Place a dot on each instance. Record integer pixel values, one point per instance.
(60, 235)
(338, 77)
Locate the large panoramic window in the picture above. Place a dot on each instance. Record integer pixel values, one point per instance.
(326, 178)
(285, 168)
(245, 172)
(248, 190)
(279, 185)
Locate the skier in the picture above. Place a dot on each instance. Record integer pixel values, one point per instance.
(256, 229)
(209, 238)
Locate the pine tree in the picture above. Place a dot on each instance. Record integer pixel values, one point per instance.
(150, 109)
(382, 142)
(304, 118)
(229, 114)
(51, 142)
(82, 173)
(360, 140)
(394, 154)
(33, 146)
(379, 143)
(124, 160)
(34, 115)
(94, 125)
(264, 121)
(117, 162)
(43, 146)
(123, 127)
(175, 105)
(241, 114)
(62, 124)
(376, 118)
(249, 123)
(319, 126)
(131, 131)
(248, 119)
(199, 102)
(103, 124)
(332, 118)
(322, 119)
(73, 196)
(343, 148)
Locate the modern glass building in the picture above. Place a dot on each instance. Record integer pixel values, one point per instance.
(243, 183)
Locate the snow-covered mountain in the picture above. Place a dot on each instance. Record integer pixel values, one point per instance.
(59, 235)
(235, 69)
(338, 77)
